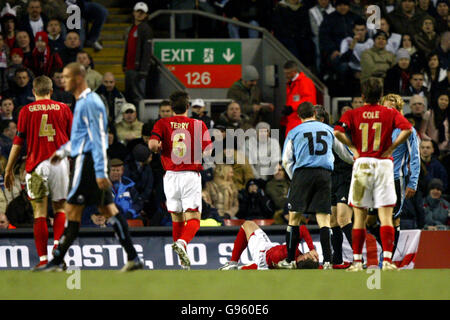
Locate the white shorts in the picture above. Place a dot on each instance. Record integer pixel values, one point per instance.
(183, 190)
(48, 179)
(372, 183)
(258, 244)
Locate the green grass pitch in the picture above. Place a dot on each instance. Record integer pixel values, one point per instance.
(223, 285)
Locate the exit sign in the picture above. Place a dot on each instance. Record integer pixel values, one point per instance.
(202, 64)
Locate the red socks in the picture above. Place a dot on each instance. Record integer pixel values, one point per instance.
(58, 226)
(359, 236)
(41, 237)
(387, 235)
(239, 245)
(190, 229)
(177, 230)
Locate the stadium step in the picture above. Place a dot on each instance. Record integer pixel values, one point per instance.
(118, 27)
(114, 68)
(106, 52)
(113, 44)
(121, 18)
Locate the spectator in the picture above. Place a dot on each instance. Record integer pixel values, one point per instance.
(35, 20)
(442, 16)
(433, 75)
(4, 222)
(123, 191)
(199, 112)
(357, 101)
(165, 109)
(413, 214)
(417, 59)
(299, 88)
(431, 165)
(55, 10)
(92, 14)
(254, 203)
(443, 50)
(264, 152)
(427, 40)
(8, 129)
(291, 27)
(111, 96)
(130, 127)
(16, 62)
(277, 189)
(397, 77)
(232, 118)
(316, 16)
(427, 7)
(55, 37)
(436, 208)
(136, 63)
(23, 42)
(140, 171)
(6, 196)
(4, 57)
(8, 25)
(72, 46)
(416, 86)
(116, 149)
(418, 106)
(59, 92)
(349, 69)
(242, 171)
(7, 108)
(256, 13)
(98, 220)
(377, 60)
(335, 27)
(435, 124)
(93, 78)
(43, 60)
(246, 92)
(444, 84)
(221, 192)
(406, 19)
(22, 89)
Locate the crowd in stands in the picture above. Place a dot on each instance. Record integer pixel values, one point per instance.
(409, 52)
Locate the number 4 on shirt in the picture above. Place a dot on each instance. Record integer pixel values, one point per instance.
(46, 129)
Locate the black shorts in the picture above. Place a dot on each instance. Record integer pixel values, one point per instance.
(398, 205)
(340, 187)
(84, 188)
(310, 191)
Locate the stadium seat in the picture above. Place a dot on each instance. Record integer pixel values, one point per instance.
(135, 223)
(233, 222)
(264, 222)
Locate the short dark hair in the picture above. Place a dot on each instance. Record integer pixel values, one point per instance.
(372, 89)
(4, 124)
(6, 98)
(179, 101)
(164, 103)
(290, 64)
(321, 113)
(305, 110)
(359, 22)
(308, 264)
(20, 70)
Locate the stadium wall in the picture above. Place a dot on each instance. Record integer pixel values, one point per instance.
(212, 247)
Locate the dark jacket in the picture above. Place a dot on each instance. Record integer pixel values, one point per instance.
(205, 118)
(436, 211)
(113, 100)
(334, 28)
(247, 10)
(25, 25)
(64, 97)
(56, 45)
(22, 96)
(143, 50)
(143, 178)
(392, 80)
(401, 24)
(68, 55)
(289, 23)
(434, 169)
(254, 205)
(413, 210)
(39, 67)
(424, 44)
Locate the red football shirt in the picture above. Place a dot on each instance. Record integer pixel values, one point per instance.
(183, 142)
(45, 125)
(131, 48)
(371, 128)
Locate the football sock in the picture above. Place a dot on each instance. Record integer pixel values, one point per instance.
(58, 226)
(120, 227)
(239, 245)
(359, 237)
(347, 230)
(66, 240)
(292, 239)
(325, 243)
(189, 231)
(40, 231)
(387, 234)
(397, 235)
(336, 241)
(177, 230)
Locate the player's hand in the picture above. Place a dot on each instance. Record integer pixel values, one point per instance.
(355, 153)
(387, 153)
(55, 159)
(409, 193)
(314, 255)
(9, 179)
(103, 183)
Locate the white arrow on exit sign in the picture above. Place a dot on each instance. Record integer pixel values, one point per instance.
(228, 56)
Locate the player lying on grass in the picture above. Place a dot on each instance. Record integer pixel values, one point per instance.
(265, 253)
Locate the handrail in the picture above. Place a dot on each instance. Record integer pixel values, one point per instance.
(319, 84)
